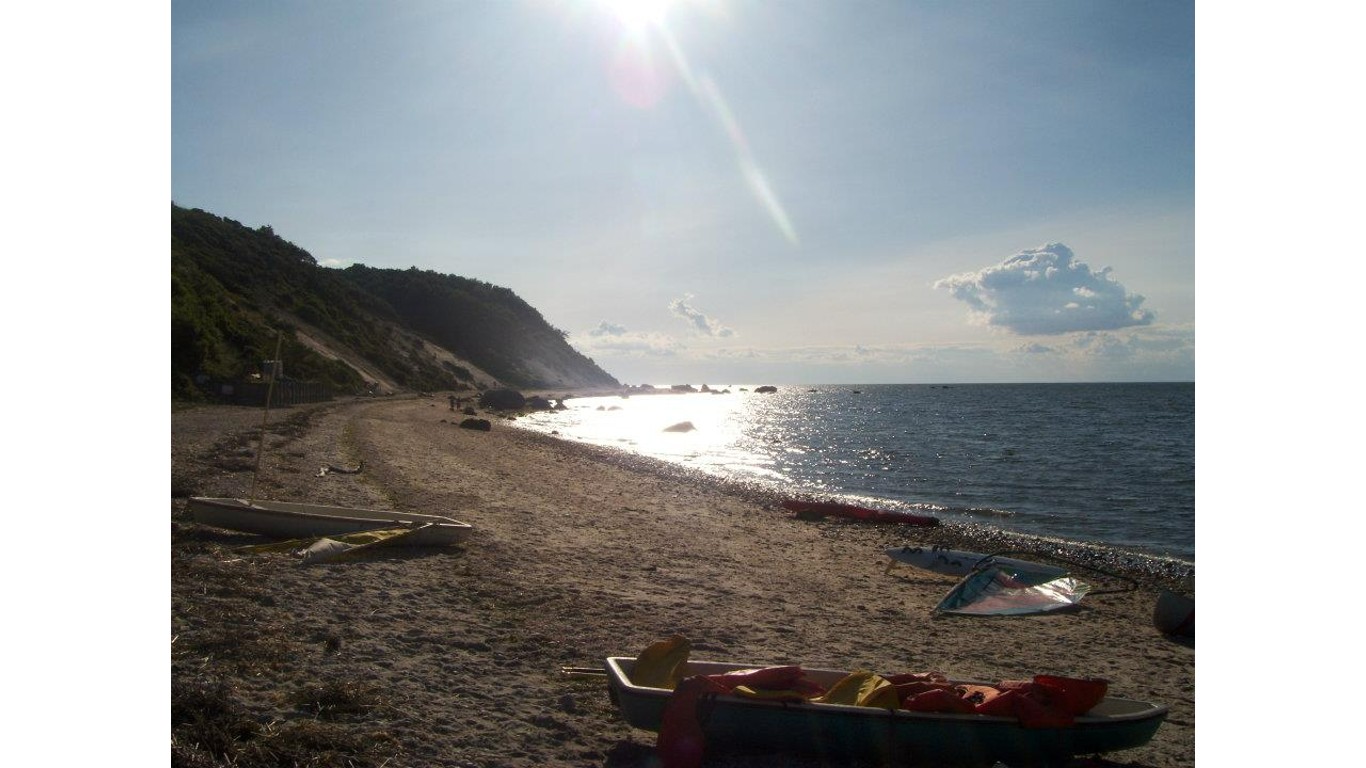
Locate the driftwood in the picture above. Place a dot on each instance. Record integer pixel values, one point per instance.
(330, 468)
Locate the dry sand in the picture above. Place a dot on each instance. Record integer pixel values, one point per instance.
(579, 554)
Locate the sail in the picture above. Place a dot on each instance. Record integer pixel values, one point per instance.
(997, 590)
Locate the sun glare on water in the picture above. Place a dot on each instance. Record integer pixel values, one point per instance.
(701, 431)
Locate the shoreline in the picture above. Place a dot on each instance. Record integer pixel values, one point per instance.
(1168, 572)
(578, 553)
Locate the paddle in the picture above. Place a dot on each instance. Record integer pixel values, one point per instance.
(583, 672)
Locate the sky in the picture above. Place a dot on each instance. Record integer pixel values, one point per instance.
(722, 191)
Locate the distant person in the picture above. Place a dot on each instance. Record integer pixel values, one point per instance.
(451, 400)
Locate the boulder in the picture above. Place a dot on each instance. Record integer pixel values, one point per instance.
(502, 400)
(767, 388)
(482, 425)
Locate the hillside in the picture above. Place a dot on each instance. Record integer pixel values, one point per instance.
(358, 329)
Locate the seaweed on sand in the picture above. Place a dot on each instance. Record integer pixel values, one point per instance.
(209, 727)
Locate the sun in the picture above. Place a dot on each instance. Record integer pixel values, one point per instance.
(638, 15)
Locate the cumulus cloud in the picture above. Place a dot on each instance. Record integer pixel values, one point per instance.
(828, 355)
(1047, 291)
(1107, 345)
(630, 345)
(1170, 343)
(610, 339)
(1158, 348)
(698, 320)
(608, 329)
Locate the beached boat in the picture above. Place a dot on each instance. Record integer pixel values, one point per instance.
(854, 512)
(294, 520)
(958, 562)
(842, 733)
(1174, 614)
(299, 520)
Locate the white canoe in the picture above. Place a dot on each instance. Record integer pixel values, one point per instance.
(294, 520)
(957, 562)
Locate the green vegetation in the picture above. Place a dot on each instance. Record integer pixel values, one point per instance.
(484, 323)
(233, 287)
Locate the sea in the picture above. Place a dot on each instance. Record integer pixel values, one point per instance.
(1102, 464)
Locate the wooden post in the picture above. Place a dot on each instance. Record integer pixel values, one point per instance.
(270, 389)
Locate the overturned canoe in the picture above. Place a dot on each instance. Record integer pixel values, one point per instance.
(295, 520)
(842, 733)
(854, 512)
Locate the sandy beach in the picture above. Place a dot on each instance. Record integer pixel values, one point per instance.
(577, 554)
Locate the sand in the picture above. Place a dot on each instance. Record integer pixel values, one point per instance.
(577, 554)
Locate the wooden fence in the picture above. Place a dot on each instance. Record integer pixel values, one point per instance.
(286, 392)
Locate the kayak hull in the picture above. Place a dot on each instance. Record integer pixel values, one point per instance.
(853, 512)
(842, 733)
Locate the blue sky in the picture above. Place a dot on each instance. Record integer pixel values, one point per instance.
(805, 192)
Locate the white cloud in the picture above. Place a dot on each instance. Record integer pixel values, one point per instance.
(845, 356)
(1106, 345)
(608, 329)
(697, 320)
(1143, 353)
(1047, 291)
(1158, 348)
(1150, 353)
(613, 339)
(1160, 344)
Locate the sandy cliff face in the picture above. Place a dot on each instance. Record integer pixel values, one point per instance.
(328, 347)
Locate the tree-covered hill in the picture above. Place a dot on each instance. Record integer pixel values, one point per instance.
(233, 288)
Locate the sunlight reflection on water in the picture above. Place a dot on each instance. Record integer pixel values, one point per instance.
(1103, 463)
(716, 443)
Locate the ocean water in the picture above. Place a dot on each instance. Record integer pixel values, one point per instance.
(1110, 464)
